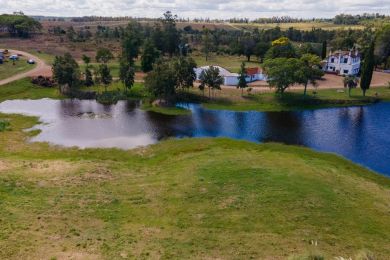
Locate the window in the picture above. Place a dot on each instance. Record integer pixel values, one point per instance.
(345, 60)
(332, 60)
(346, 71)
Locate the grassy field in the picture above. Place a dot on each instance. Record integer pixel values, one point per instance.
(300, 26)
(7, 69)
(185, 199)
(24, 89)
(294, 99)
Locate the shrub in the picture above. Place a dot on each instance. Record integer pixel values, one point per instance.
(45, 82)
(4, 125)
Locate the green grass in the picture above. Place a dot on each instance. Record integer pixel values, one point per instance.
(7, 69)
(170, 111)
(185, 199)
(4, 125)
(295, 100)
(24, 89)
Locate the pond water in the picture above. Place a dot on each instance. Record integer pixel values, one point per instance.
(361, 134)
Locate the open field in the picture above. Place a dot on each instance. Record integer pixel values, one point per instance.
(7, 69)
(306, 26)
(191, 198)
(229, 62)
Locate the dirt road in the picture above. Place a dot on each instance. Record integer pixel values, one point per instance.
(41, 68)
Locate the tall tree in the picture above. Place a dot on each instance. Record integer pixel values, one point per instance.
(126, 74)
(184, 69)
(309, 71)
(149, 56)
(324, 50)
(368, 69)
(171, 34)
(105, 75)
(161, 81)
(131, 42)
(261, 49)
(206, 43)
(242, 84)
(211, 78)
(66, 71)
(88, 74)
(104, 55)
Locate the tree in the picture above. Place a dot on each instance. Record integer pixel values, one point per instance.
(149, 56)
(368, 69)
(211, 78)
(105, 75)
(66, 71)
(88, 74)
(282, 73)
(171, 37)
(309, 70)
(206, 43)
(184, 69)
(131, 42)
(104, 55)
(350, 82)
(126, 74)
(324, 50)
(161, 81)
(248, 46)
(383, 43)
(242, 84)
(261, 49)
(281, 48)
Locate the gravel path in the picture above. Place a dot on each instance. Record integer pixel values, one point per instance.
(40, 69)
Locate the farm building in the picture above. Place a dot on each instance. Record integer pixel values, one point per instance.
(231, 79)
(343, 63)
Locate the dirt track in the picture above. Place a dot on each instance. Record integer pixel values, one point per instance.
(41, 69)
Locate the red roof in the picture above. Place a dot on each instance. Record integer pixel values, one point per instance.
(252, 71)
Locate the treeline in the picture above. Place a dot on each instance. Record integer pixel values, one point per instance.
(19, 25)
(348, 19)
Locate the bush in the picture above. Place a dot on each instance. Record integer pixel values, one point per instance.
(4, 125)
(109, 97)
(45, 82)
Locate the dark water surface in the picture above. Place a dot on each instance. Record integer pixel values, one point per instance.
(361, 134)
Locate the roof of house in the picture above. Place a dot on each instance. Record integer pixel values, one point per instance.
(345, 53)
(252, 71)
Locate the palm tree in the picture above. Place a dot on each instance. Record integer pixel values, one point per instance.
(350, 82)
(211, 78)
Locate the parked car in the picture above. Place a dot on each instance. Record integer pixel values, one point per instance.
(14, 57)
(31, 61)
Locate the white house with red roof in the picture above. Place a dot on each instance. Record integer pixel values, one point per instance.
(343, 63)
(231, 79)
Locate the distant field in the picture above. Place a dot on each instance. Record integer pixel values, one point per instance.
(300, 26)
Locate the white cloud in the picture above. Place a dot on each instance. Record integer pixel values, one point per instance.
(195, 8)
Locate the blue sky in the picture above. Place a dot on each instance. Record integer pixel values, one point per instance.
(196, 8)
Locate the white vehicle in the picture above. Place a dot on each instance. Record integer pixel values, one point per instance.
(31, 61)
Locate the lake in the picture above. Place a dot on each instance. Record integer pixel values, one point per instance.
(361, 134)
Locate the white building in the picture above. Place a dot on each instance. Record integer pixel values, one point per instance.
(343, 63)
(231, 79)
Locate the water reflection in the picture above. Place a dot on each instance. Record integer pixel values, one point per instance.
(358, 133)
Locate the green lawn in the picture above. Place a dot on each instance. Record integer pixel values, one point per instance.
(7, 69)
(24, 89)
(186, 199)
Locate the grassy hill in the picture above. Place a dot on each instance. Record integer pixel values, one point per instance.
(190, 198)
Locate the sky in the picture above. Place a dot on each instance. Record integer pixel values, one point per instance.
(219, 9)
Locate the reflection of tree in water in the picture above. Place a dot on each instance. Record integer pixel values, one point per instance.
(283, 127)
(351, 124)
